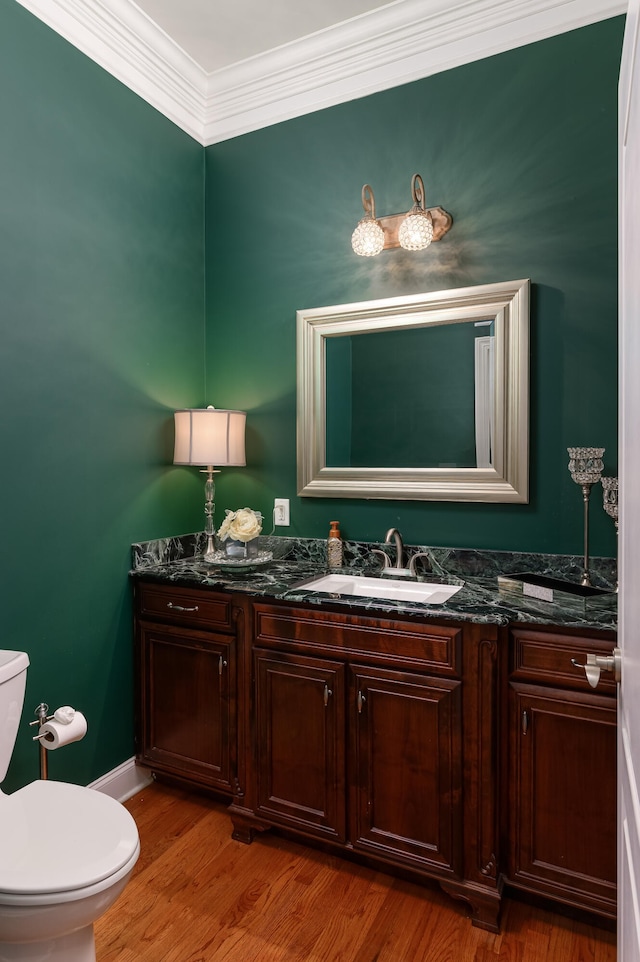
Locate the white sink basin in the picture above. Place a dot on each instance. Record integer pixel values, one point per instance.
(412, 591)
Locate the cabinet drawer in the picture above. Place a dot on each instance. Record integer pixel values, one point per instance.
(546, 657)
(183, 606)
(432, 647)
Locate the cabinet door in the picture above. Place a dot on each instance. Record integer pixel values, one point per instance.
(300, 742)
(563, 795)
(407, 758)
(187, 704)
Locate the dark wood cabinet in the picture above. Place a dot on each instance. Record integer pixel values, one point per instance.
(405, 739)
(186, 711)
(396, 736)
(359, 742)
(562, 771)
(461, 752)
(300, 770)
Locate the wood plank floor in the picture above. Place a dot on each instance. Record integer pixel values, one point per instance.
(199, 896)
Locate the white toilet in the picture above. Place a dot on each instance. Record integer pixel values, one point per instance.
(66, 852)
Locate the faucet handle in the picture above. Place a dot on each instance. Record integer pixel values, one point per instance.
(386, 562)
(412, 562)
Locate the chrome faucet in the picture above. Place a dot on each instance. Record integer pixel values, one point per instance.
(398, 570)
(397, 537)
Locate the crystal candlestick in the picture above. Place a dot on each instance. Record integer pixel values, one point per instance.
(586, 466)
(610, 498)
(610, 501)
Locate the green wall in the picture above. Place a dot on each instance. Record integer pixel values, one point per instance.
(101, 334)
(102, 314)
(521, 149)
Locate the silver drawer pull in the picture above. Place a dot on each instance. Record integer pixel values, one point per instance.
(170, 604)
(361, 700)
(221, 664)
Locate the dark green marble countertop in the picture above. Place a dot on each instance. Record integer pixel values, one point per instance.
(179, 561)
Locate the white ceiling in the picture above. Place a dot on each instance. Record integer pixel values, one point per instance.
(221, 68)
(217, 34)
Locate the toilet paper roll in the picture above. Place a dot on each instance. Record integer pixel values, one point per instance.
(55, 734)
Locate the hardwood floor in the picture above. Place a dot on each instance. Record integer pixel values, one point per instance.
(199, 896)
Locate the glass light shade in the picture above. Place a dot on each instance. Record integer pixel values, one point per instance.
(416, 230)
(367, 239)
(209, 436)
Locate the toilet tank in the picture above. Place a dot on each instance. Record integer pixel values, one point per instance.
(13, 679)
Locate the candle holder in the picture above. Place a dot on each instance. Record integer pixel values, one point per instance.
(610, 498)
(610, 503)
(586, 467)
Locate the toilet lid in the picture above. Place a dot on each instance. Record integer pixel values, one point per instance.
(55, 837)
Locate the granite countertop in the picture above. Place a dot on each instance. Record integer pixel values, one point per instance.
(179, 561)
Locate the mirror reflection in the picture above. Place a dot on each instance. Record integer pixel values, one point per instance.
(417, 398)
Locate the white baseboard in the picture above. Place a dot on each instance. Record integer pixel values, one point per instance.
(124, 781)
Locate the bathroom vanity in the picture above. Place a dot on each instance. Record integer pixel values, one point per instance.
(458, 743)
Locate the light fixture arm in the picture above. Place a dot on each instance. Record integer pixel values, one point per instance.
(417, 190)
(368, 201)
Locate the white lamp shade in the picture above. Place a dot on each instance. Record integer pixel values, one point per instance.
(209, 436)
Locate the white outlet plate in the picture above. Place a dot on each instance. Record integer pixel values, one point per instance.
(281, 512)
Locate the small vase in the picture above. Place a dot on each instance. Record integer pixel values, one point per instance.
(240, 549)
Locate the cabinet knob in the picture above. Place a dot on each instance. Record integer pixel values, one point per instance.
(221, 664)
(525, 722)
(327, 694)
(597, 663)
(361, 700)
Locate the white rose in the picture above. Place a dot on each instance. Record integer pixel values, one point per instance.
(241, 525)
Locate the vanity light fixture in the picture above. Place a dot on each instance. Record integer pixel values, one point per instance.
(205, 437)
(413, 231)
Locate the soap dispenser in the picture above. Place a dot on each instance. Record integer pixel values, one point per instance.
(334, 545)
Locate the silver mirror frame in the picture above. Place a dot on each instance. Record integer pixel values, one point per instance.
(507, 304)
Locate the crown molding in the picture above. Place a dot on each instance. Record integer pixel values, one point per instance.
(392, 45)
(119, 37)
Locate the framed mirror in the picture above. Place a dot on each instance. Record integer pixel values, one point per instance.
(423, 397)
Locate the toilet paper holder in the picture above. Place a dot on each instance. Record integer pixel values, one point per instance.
(73, 724)
(41, 712)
